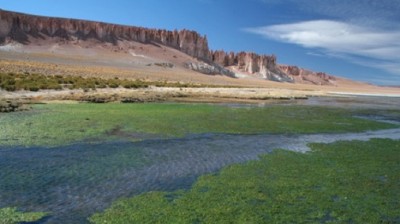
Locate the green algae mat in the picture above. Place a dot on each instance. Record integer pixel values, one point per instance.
(344, 182)
(59, 124)
(11, 215)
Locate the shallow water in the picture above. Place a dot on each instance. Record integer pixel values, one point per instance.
(365, 102)
(344, 101)
(72, 182)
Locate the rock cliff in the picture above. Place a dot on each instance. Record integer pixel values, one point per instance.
(301, 75)
(263, 66)
(22, 28)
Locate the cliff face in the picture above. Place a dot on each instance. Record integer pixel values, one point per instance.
(306, 76)
(263, 66)
(21, 27)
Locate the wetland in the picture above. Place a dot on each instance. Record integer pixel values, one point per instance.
(316, 160)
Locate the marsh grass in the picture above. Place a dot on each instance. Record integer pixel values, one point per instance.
(344, 182)
(57, 124)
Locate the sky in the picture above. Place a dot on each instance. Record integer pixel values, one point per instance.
(357, 39)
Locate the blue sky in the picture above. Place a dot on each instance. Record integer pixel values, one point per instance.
(358, 39)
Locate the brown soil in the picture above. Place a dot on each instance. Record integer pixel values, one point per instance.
(142, 62)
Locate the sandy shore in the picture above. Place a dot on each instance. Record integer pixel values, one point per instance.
(162, 94)
(158, 94)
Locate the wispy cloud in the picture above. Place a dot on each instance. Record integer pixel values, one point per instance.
(378, 48)
(373, 12)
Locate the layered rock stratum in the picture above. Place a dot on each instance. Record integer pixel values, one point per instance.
(27, 29)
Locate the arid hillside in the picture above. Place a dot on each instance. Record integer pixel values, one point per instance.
(57, 46)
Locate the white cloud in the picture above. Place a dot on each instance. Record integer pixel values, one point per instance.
(359, 44)
(366, 12)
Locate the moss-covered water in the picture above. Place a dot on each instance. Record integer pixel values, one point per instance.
(345, 182)
(71, 161)
(71, 182)
(60, 124)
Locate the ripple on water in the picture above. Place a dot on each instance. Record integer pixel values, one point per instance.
(72, 182)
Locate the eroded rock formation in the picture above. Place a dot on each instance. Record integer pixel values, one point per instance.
(22, 27)
(306, 76)
(263, 66)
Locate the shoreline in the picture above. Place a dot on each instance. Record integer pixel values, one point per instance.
(352, 94)
(20, 100)
(154, 94)
(179, 94)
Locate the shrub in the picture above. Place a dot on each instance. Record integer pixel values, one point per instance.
(34, 88)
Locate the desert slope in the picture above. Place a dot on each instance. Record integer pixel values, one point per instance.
(46, 45)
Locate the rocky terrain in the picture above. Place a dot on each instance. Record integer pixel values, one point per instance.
(47, 33)
(307, 76)
(7, 106)
(263, 66)
(22, 28)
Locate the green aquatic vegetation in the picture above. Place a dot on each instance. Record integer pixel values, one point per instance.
(343, 182)
(12, 215)
(57, 124)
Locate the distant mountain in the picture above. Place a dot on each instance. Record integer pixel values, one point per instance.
(28, 30)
